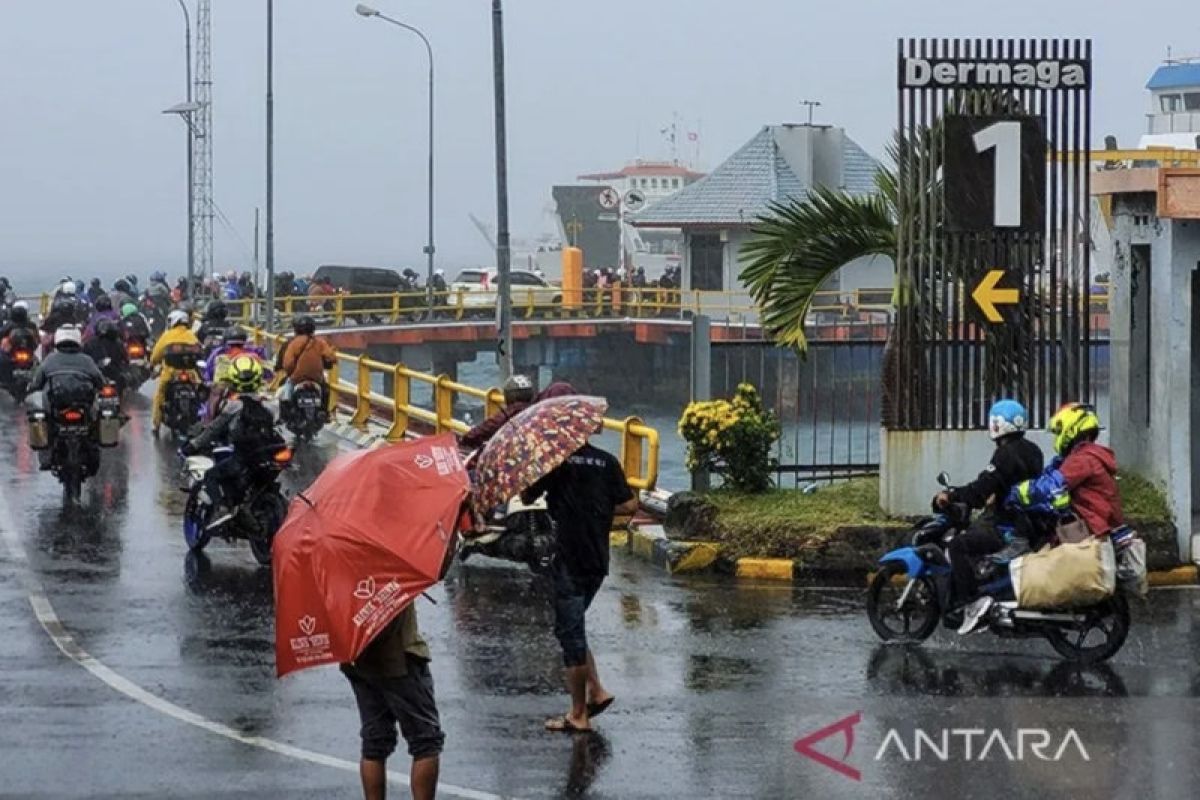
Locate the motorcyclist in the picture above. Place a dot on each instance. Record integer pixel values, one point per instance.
(107, 349)
(245, 423)
(122, 293)
(235, 342)
(305, 359)
(95, 290)
(62, 312)
(67, 375)
(18, 332)
(159, 290)
(215, 320)
(104, 311)
(133, 325)
(518, 395)
(178, 334)
(1015, 459)
(7, 296)
(1080, 478)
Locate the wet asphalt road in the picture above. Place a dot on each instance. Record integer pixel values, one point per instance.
(715, 680)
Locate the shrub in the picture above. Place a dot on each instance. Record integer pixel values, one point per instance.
(732, 438)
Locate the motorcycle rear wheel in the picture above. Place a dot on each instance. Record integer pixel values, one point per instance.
(921, 613)
(269, 510)
(1109, 618)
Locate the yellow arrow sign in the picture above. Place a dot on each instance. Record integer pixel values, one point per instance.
(987, 295)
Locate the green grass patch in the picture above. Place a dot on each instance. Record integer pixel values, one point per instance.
(1141, 499)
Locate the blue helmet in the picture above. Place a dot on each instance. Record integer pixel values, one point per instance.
(1006, 417)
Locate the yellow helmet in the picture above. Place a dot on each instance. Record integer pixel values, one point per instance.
(1070, 422)
(245, 374)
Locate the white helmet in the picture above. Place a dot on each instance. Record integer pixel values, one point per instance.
(20, 304)
(68, 334)
(66, 287)
(177, 317)
(439, 271)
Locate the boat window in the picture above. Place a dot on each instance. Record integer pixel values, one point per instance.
(1171, 102)
(1191, 101)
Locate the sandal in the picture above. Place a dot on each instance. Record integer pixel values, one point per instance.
(564, 725)
(596, 709)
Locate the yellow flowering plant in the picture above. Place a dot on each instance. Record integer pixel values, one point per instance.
(732, 438)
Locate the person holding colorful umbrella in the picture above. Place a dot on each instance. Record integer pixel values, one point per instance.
(545, 450)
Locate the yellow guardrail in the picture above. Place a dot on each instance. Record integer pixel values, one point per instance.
(351, 379)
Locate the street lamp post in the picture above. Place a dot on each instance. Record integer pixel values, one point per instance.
(504, 337)
(191, 168)
(367, 11)
(269, 314)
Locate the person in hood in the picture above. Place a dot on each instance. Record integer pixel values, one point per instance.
(1081, 477)
(1014, 460)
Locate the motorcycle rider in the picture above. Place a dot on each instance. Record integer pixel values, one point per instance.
(107, 349)
(122, 293)
(246, 423)
(215, 320)
(133, 325)
(7, 296)
(95, 290)
(1080, 478)
(66, 376)
(1015, 459)
(18, 332)
(235, 342)
(104, 311)
(62, 312)
(305, 359)
(177, 334)
(518, 394)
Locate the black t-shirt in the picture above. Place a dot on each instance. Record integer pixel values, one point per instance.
(581, 495)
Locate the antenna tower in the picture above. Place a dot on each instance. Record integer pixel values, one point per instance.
(202, 148)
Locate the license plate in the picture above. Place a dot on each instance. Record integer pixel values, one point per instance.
(137, 362)
(73, 430)
(20, 374)
(308, 402)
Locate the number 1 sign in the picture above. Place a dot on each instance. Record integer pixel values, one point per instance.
(995, 174)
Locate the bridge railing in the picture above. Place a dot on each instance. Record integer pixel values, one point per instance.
(353, 381)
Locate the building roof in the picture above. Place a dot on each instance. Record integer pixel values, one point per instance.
(748, 182)
(646, 168)
(1174, 76)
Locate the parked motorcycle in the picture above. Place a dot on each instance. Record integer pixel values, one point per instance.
(305, 414)
(74, 432)
(912, 592)
(257, 516)
(24, 362)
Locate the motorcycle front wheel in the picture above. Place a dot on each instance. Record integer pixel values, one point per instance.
(195, 522)
(1096, 639)
(916, 619)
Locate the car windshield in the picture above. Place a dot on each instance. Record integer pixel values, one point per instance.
(471, 276)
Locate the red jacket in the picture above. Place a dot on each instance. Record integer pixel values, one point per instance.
(1089, 472)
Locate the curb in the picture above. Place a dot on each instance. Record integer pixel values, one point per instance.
(649, 543)
(347, 432)
(1180, 576)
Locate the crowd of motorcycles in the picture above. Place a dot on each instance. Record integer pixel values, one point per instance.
(70, 432)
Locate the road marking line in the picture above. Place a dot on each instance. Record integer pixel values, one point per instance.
(43, 610)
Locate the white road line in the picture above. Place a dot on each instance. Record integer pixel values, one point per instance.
(46, 616)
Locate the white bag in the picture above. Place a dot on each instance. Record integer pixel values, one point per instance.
(1131, 569)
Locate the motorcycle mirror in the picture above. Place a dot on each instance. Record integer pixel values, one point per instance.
(944, 479)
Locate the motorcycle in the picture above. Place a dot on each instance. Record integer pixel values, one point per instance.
(258, 515)
(912, 592)
(306, 414)
(182, 402)
(137, 370)
(24, 362)
(74, 433)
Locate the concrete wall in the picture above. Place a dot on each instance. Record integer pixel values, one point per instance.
(1159, 447)
(909, 463)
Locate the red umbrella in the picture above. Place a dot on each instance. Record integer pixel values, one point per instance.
(360, 544)
(533, 443)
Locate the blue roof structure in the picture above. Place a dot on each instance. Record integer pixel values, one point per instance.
(1175, 76)
(744, 186)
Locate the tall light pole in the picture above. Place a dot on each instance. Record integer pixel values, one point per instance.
(504, 337)
(191, 166)
(269, 315)
(367, 11)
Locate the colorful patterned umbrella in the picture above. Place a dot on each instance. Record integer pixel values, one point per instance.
(531, 444)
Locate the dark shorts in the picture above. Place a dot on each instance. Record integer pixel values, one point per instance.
(409, 701)
(573, 595)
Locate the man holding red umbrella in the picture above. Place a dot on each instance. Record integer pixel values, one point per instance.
(584, 493)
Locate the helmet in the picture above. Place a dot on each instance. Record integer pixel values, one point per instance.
(95, 284)
(176, 317)
(216, 310)
(129, 309)
(1071, 422)
(122, 285)
(439, 272)
(233, 333)
(245, 374)
(66, 287)
(304, 326)
(158, 276)
(132, 279)
(231, 275)
(518, 389)
(21, 304)
(107, 327)
(104, 303)
(68, 337)
(19, 313)
(1006, 417)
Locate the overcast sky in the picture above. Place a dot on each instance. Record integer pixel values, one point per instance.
(92, 175)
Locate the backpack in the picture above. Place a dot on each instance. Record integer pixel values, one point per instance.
(254, 428)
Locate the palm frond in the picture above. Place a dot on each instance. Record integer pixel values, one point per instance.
(797, 245)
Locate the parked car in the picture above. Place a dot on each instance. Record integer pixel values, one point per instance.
(368, 280)
(478, 287)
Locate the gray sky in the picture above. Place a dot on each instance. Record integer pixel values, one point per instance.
(92, 175)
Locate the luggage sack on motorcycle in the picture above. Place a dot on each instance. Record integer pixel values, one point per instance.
(108, 431)
(1066, 576)
(1132, 578)
(182, 356)
(39, 430)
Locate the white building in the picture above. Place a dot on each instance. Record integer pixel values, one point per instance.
(1174, 117)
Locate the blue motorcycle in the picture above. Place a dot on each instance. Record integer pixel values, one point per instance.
(912, 592)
